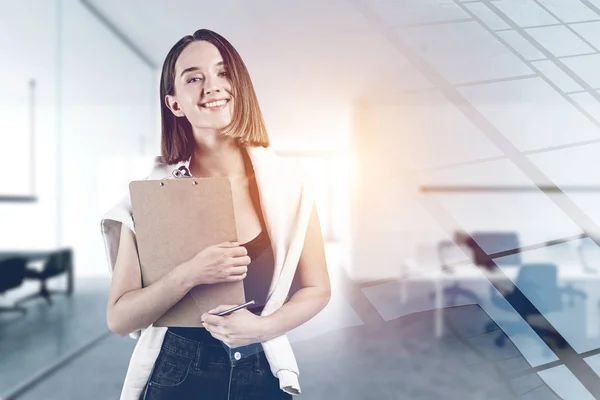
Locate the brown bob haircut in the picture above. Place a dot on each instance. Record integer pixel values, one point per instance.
(247, 124)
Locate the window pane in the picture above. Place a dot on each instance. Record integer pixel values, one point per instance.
(565, 384)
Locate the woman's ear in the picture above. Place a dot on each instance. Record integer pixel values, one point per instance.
(173, 105)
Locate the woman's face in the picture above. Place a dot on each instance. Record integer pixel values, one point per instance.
(203, 91)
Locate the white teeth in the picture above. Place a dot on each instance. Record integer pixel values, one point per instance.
(215, 103)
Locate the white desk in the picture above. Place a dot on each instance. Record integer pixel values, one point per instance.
(567, 273)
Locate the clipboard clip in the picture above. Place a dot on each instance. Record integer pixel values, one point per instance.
(182, 172)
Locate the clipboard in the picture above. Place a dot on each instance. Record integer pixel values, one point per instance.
(174, 220)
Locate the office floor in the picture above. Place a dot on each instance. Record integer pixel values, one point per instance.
(32, 344)
(399, 358)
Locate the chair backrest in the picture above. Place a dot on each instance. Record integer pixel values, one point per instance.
(12, 272)
(496, 242)
(54, 263)
(67, 258)
(58, 262)
(539, 282)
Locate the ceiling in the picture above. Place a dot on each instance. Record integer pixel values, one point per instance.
(333, 47)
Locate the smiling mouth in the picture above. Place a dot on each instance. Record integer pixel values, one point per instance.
(214, 105)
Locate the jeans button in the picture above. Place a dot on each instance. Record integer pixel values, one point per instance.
(237, 355)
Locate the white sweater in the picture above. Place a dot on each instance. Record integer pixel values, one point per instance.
(286, 205)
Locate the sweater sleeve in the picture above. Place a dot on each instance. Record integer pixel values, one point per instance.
(278, 351)
(111, 234)
(280, 355)
(288, 382)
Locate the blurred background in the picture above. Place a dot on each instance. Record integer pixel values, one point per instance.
(454, 145)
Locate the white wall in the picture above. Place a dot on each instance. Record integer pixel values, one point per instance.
(108, 113)
(28, 42)
(101, 106)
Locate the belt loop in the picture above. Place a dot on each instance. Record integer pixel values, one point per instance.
(257, 365)
(198, 359)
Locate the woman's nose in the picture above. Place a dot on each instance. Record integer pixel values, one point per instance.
(211, 89)
(210, 85)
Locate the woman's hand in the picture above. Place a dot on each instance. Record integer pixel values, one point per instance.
(224, 262)
(237, 329)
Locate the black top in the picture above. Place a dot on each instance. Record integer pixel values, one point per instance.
(260, 270)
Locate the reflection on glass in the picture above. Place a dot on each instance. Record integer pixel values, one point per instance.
(565, 384)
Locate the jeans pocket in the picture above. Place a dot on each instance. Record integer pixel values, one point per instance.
(170, 370)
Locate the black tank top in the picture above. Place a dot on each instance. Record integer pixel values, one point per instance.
(260, 270)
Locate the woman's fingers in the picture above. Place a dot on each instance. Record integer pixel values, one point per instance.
(228, 244)
(238, 251)
(240, 261)
(238, 270)
(211, 322)
(237, 273)
(235, 278)
(220, 308)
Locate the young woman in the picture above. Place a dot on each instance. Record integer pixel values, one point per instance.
(212, 126)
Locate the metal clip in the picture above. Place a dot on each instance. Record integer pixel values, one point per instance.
(182, 172)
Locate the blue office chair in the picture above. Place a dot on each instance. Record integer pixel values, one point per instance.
(12, 273)
(483, 244)
(59, 262)
(538, 282)
(480, 244)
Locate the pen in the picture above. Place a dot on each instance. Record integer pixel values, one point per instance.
(227, 312)
(239, 307)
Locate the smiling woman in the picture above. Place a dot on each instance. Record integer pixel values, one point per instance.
(206, 69)
(197, 94)
(213, 127)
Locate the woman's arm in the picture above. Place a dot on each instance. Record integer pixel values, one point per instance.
(131, 307)
(242, 327)
(315, 289)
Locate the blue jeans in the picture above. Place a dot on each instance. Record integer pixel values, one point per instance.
(204, 369)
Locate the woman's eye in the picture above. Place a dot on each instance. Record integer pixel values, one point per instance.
(195, 79)
(223, 73)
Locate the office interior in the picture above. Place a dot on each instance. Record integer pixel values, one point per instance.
(452, 144)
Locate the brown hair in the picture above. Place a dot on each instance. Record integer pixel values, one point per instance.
(247, 124)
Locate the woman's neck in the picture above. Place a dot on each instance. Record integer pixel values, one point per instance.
(222, 157)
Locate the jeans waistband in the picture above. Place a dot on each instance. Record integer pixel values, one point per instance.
(189, 348)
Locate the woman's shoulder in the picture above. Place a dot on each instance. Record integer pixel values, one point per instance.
(268, 162)
(286, 171)
(159, 169)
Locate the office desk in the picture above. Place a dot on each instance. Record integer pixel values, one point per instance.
(30, 255)
(567, 273)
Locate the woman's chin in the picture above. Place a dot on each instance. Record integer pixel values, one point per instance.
(213, 126)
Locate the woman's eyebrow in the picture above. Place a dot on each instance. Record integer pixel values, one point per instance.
(190, 69)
